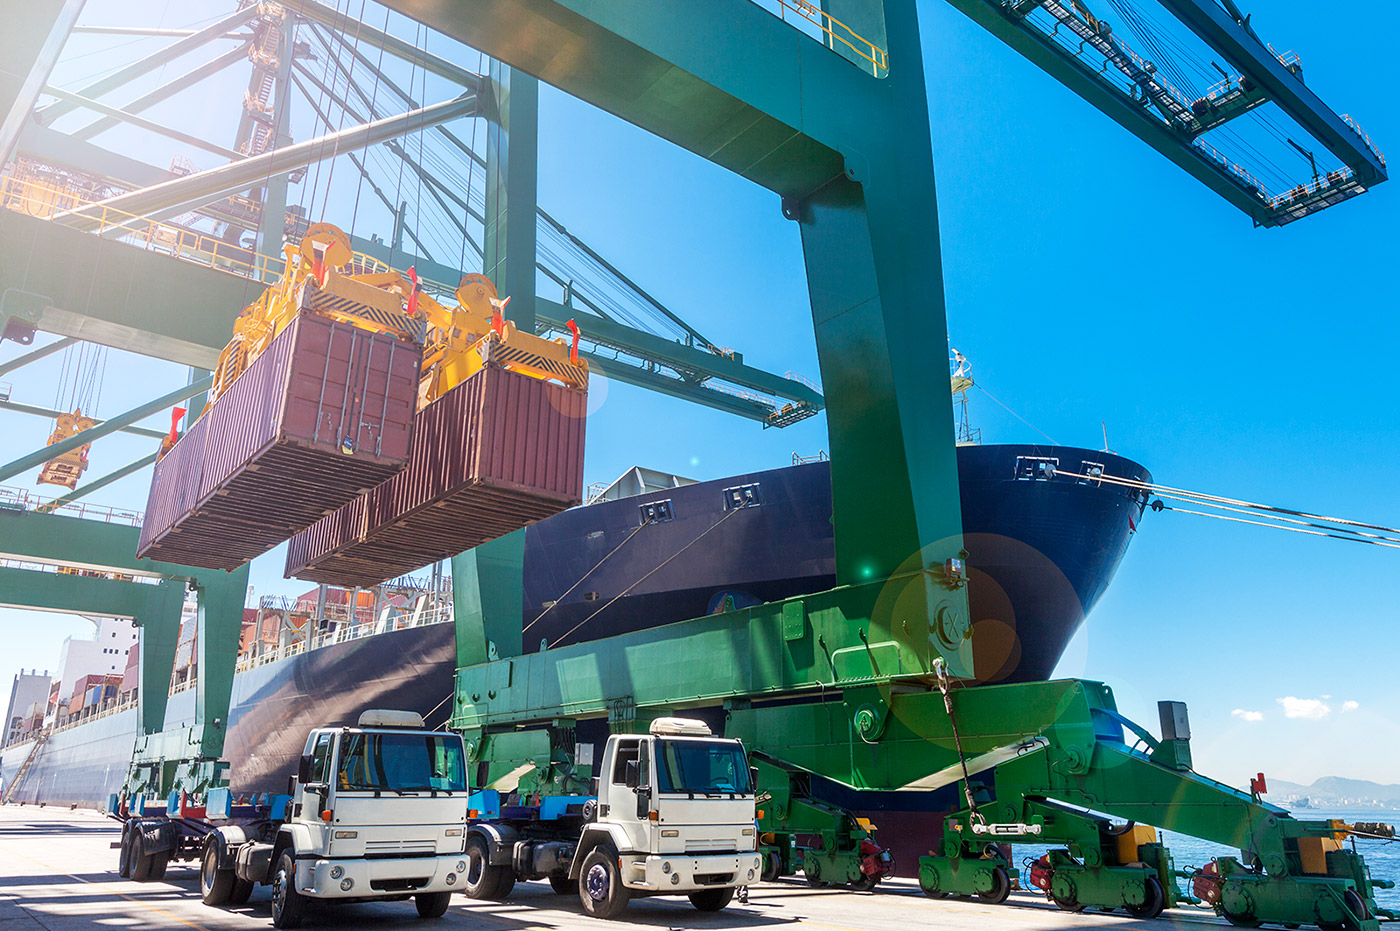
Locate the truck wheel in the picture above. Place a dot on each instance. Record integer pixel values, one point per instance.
(287, 904)
(124, 859)
(242, 889)
(215, 885)
(484, 881)
(562, 884)
(712, 900)
(600, 887)
(432, 904)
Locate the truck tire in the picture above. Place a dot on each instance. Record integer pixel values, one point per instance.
(146, 867)
(124, 858)
(600, 887)
(562, 884)
(242, 890)
(215, 885)
(288, 905)
(484, 881)
(432, 904)
(712, 900)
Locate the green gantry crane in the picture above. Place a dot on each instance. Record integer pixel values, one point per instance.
(872, 684)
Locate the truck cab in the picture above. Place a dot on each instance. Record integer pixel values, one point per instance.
(377, 811)
(672, 814)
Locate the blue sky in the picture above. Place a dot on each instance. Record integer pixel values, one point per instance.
(1089, 281)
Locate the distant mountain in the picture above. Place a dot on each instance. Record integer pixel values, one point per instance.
(1334, 792)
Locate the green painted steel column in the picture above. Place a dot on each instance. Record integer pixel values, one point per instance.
(220, 600)
(159, 621)
(874, 269)
(512, 155)
(487, 599)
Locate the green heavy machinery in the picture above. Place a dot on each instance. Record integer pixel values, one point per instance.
(872, 684)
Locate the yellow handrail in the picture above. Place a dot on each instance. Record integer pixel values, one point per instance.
(838, 31)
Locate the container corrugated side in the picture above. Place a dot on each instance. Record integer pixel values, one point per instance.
(174, 490)
(500, 451)
(324, 414)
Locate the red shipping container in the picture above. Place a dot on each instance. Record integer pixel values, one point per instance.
(497, 452)
(324, 414)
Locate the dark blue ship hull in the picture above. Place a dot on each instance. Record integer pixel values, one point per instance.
(1043, 544)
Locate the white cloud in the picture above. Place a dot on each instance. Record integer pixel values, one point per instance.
(1248, 715)
(1350, 705)
(1313, 708)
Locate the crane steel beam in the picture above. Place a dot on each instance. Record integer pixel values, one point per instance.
(50, 413)
(701, 363)
(197, 189)
(29, 48)
(35, 355)
(98, 483)
(165, 91)
(149, 32)
(1238, 44)
(38, 457)
(365, 34)
(118, 115)
(1085, 81)
(46, 115)
(61, 149)
(115, 294)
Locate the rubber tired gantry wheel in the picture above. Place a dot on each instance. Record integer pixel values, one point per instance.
(1153, 900)
(1001, 887)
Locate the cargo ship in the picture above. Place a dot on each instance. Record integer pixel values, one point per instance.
(1043, 539)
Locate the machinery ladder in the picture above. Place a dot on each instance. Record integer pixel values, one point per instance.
(28, 762)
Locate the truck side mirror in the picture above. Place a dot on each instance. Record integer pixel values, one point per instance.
(631, 776)
(304, 769)
(593, 786)
(753, 779)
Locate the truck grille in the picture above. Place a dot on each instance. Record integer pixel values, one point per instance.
(401, 848)
(399, 885)
(713, 879)
(708, 845)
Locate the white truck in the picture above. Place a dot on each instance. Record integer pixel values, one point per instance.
(672, 814)
(377, 812)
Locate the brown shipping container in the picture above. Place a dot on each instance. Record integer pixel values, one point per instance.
(324, 414)
(499, 451)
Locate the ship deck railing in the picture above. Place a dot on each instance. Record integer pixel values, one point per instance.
(342, 633)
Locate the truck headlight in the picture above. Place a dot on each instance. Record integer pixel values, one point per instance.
(452, 878)
(337, 872)
(347, 884)
(452, 832)
(747, 832)
(750, 875)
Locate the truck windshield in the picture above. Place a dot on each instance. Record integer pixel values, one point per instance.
(402, 762)
(701, 766)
